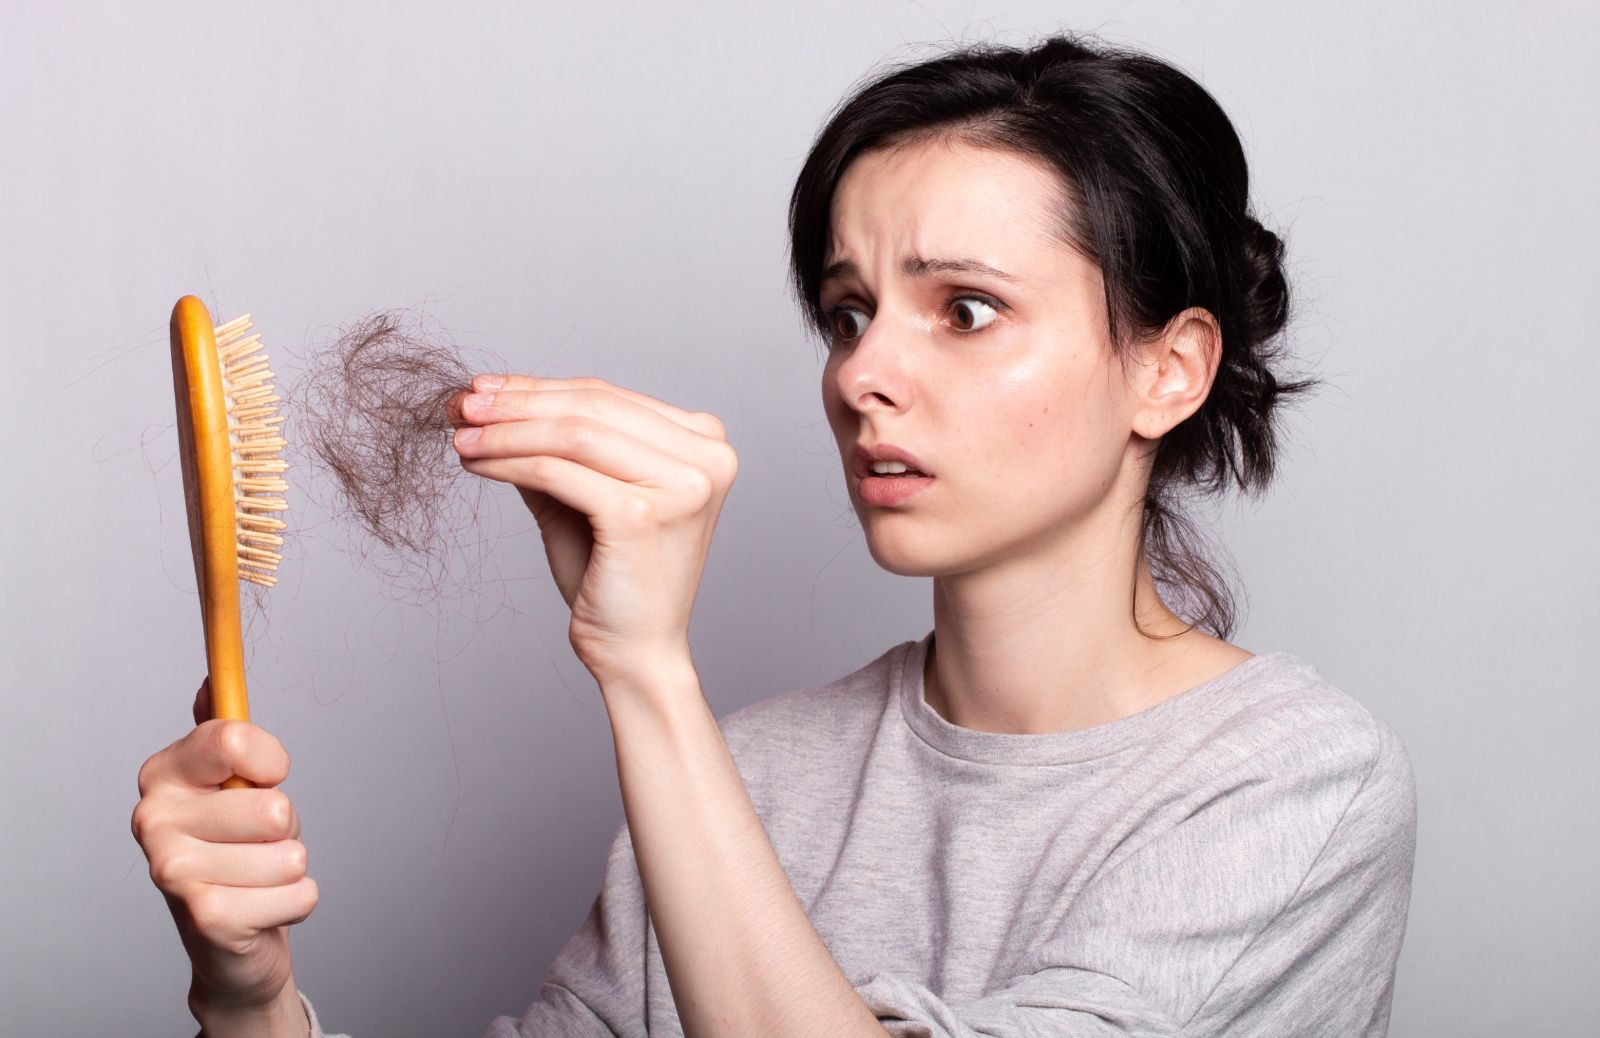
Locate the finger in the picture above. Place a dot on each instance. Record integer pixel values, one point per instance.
(214, 750)
(696, 421)
(605, 449)
(234, 915)
(193, 863)
(594, 406)
(235, 816)
(574, 485)
(453, 412)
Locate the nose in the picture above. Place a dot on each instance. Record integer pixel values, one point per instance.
(871, 373)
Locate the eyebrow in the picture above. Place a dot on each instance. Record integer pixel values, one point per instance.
(917, 266)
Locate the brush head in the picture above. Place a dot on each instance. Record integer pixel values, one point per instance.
(255, 436)
(231, 448)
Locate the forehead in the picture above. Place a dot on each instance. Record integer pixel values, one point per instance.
(946, 196)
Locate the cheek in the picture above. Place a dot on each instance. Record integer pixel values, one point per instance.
(1062, 427)
(1052, 440)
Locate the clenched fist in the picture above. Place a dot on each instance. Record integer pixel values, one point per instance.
(231, 866)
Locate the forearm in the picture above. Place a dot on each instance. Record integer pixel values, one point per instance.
(739, 951)
(283, 1017)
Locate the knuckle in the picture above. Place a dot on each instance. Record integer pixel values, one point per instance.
(276, 812)
(208, 909)
(280, 754)
(711, 425)
(697, 486)
(728, 462)
(141, 823)
(576, 431)
(231, 738)
(641, 511)
(168, 870)
(296, 858)
(542, 467)
(309, 897)
(147, 775)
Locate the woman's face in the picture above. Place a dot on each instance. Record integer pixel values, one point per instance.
(965, 333)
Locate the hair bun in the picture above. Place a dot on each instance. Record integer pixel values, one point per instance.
(1264, 287)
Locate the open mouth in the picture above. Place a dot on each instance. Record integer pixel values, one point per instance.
(892, 488)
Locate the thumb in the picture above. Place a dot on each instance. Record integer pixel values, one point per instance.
(202, 702)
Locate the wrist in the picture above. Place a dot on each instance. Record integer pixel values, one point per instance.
(665, 675)
(283, 1017)
(655, 702)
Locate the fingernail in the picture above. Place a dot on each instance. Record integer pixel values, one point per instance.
(488, 383)
(477, 403)
(468, 436)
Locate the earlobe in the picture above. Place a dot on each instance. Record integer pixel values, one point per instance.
(1182, 362)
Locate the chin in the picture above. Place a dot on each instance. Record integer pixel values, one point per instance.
(902, 555)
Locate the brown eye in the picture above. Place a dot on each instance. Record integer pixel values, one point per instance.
(969, 313)
(847, 323)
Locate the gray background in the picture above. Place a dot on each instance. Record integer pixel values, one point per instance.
(600, 189)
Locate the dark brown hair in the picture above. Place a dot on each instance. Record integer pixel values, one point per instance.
(1157, 190)
(373, 418)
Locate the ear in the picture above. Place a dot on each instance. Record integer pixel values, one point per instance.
(1176, 371)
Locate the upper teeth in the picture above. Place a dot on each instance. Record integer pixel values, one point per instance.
(883, 467)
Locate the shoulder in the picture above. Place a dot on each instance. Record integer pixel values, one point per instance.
(1285, 721)
(1274, 781)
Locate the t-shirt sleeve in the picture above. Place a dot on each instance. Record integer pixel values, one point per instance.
(596, 986)
(1274, 906)
(311, 1017)
(316, 1025)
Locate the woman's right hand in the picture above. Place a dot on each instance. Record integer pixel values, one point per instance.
(229, 861)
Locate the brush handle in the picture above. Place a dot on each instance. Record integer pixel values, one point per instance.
(207, 455)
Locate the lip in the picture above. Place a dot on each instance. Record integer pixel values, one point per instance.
(863, 456)
(887, 491)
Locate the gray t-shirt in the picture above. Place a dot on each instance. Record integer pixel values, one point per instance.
(1234, 860)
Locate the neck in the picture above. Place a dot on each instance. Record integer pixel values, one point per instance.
(1046, 641)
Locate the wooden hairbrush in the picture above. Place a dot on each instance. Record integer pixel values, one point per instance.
(231, 448)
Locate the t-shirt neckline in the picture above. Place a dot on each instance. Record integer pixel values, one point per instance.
(1085, 744)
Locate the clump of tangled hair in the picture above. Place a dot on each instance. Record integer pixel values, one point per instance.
(372, 414)
(1156, 190)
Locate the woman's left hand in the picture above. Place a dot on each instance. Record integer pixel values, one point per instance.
(626, 491)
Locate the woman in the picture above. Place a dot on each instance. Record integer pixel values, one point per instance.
(1066, 810)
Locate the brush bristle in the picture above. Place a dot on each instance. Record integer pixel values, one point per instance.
(258, 465)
